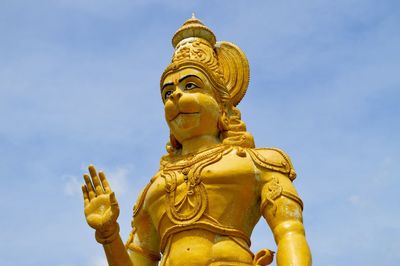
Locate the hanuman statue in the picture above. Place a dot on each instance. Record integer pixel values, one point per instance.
(213, 186)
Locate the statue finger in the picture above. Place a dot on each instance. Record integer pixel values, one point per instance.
(104, 181)
(96, 180)
(89, 187)
(92, 170)
(85, 196)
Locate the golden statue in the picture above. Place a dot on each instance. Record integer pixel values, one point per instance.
(213, 185)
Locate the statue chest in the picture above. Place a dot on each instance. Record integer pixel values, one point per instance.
(218, 185)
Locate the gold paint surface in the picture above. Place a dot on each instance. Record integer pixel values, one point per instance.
(213, 186)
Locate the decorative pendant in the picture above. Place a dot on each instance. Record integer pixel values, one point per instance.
(187, 204)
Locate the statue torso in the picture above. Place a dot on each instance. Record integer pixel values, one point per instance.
(209, 201)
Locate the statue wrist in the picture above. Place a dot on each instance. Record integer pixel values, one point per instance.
(107, 236)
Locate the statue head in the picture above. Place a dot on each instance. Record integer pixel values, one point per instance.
(202, 86)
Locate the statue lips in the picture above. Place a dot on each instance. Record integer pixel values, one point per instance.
(183, 114)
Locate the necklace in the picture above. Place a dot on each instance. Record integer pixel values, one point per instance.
(187, 205)
(185, 161)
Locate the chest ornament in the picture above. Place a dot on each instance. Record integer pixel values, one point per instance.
(188, 203)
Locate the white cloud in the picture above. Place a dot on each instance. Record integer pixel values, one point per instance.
(72, 186)
(118, 179)
(355, 200)
(98, 261)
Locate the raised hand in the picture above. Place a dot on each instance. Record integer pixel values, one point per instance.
(101, 206)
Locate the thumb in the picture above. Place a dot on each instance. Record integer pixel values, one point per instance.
(113, 200)
(114, 206)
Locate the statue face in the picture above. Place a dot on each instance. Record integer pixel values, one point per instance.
(190, 106)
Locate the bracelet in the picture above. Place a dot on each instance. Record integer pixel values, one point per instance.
(109, 238)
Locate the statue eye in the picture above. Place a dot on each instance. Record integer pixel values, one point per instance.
(191, 86)
(167, 95)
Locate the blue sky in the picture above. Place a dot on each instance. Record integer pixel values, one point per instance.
(79, 84)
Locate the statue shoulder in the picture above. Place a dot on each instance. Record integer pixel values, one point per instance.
(273, 159)
(142, 196)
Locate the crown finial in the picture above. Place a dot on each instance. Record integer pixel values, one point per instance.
(193, 27)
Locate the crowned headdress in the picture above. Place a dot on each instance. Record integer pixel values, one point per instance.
(224, 63)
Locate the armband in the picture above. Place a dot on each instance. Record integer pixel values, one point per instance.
(273, 191)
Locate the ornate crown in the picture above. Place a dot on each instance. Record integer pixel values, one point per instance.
(225, 63)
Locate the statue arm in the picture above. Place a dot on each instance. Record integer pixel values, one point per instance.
(117, 254)
(101, 211)
(282, 208)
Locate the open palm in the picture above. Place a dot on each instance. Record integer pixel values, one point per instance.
(101, 206)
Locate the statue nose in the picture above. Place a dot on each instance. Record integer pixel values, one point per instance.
(176, 94)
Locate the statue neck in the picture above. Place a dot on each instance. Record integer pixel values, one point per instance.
(198, 144)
